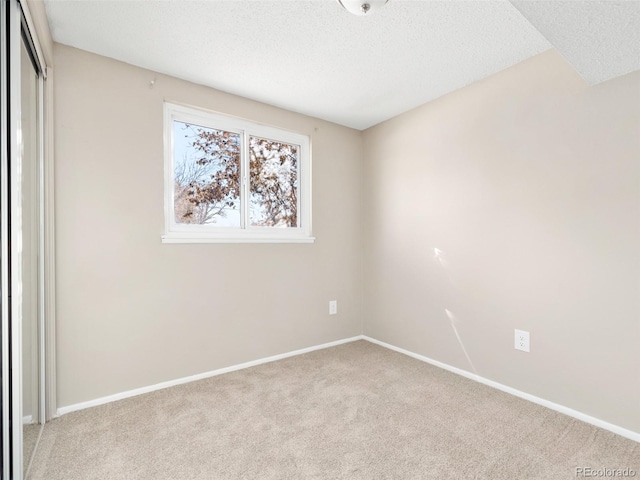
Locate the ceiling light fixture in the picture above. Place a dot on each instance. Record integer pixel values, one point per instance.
(362, 7)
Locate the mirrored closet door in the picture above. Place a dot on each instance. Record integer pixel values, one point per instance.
(31, 128)
(22, 252)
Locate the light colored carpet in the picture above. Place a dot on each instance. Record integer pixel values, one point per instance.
(356, 411)
(30, 434)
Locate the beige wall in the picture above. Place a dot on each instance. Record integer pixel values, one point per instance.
(528, 182)
(131, 311)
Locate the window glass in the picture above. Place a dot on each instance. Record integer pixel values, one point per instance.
(273, 179)
(206, 175)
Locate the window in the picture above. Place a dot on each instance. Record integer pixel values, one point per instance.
(231, 180)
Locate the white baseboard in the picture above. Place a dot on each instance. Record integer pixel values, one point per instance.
(28, 419)
(526, 396)
(532, 398)
(200, 376)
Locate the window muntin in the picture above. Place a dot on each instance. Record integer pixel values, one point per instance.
(231, 180)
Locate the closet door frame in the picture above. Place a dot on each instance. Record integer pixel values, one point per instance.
(17, 21)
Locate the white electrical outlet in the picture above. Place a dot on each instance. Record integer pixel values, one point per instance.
(522, 340)
(333, 307)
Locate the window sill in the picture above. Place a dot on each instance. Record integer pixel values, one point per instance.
(181, 238)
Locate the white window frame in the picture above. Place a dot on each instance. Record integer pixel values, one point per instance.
(189, 233)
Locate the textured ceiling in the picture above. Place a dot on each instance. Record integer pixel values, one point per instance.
(312, 56)
(600, 39)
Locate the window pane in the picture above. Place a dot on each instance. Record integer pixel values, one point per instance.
(273, 183)
(206, 175)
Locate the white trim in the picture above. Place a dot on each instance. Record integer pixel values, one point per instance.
(512, 391)
(182, 238)
(631, 435)
(244, 233)
(245, 170)
(40, 393)
(200, 376)
(15, 255)
(49, 331)
(5, 460)
(27, 420)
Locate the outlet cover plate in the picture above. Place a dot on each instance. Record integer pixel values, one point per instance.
(333, 307)
(522, 340)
